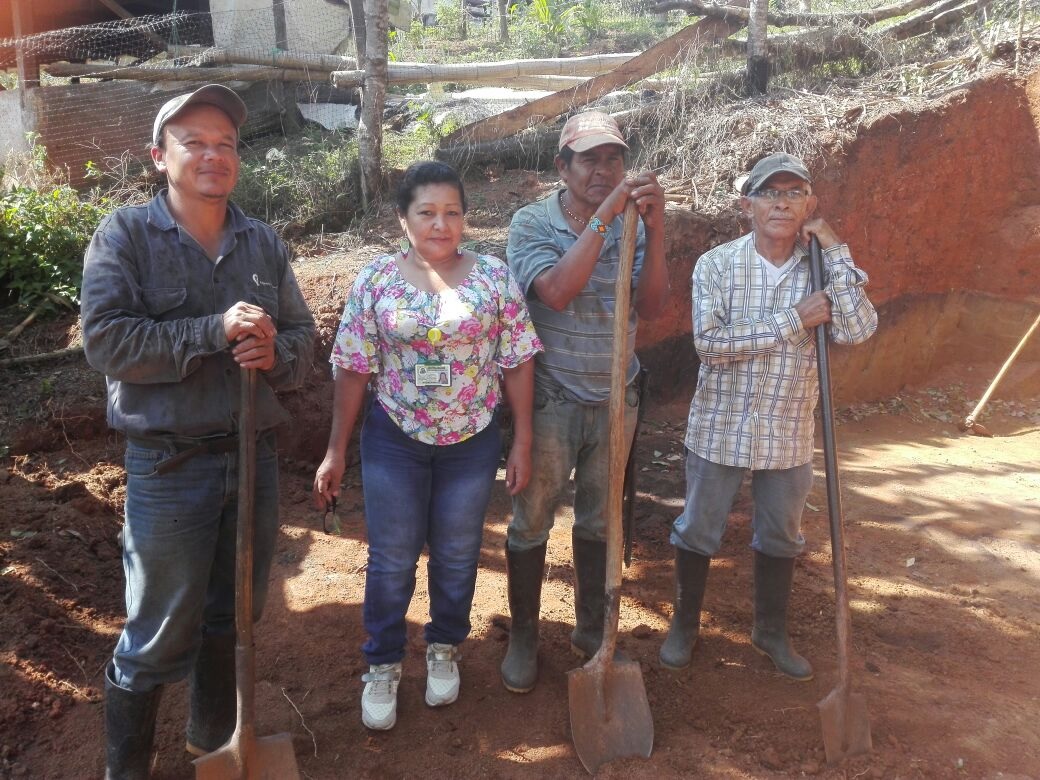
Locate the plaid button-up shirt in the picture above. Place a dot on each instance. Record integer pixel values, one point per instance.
(758, 385)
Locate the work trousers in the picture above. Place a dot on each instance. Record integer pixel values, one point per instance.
(779, 499)
(568, 436)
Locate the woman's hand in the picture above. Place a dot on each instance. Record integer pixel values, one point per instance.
(518, 467)
(327, 479)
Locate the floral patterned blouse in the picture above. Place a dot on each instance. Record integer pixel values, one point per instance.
(436, 355)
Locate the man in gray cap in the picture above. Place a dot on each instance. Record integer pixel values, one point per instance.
(753, 321)
(564, 252)
(178, 295)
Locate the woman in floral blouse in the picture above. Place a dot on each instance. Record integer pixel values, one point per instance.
(443, 332)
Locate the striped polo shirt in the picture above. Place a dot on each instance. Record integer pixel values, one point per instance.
(578, 340)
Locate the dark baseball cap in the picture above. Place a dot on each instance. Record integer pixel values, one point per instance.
(770, 166)
(212, 94)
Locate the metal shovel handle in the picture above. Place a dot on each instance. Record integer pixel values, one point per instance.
(830, 459)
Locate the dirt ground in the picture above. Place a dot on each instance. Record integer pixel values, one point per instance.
(943, 533)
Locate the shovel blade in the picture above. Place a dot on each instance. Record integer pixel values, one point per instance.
(610, 714)
(267, 758)
(846, 725)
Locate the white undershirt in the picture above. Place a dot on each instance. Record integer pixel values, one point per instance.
(775, 272)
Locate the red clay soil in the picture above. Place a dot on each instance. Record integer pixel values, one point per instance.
(943, 529)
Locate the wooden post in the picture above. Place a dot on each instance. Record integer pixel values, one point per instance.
(373, 98)
(463, 19)
(357, 22)
(28, 66)
(281, 32)
(758, 51)
(503, 21)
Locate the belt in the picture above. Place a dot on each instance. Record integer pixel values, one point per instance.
(185, 449)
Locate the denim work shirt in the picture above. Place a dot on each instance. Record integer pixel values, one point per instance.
(579, 340)
(152, 313)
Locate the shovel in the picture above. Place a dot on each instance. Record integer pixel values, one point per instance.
(245, 757)
(843, 714)
(610, 714)
(969, 423)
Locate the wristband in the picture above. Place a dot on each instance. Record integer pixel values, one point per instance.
(597, 225)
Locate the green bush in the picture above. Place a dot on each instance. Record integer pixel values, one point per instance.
(43, 234)
(306, 184)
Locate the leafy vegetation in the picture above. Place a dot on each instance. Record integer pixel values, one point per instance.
(44, 228)
(306, 183)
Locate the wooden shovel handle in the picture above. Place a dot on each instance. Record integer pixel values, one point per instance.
(244, 660)
(618, 443)
(970, 419)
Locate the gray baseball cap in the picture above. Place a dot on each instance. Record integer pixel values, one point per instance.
(770, 166)
(212, 94)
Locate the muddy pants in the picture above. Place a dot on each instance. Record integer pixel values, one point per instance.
(568, 436)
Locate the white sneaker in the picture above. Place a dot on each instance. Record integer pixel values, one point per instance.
(442, 674)
(379, 699)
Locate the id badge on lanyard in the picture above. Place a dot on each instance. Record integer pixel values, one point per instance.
(430, 373)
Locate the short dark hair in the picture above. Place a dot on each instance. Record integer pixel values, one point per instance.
(425, 172)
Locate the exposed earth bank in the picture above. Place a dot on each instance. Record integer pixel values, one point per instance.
(943, 529)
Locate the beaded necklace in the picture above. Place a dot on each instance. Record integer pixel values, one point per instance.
(570, 213)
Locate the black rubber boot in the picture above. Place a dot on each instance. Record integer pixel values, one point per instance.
(773, 578)
(590, 574)
(691, 575)
(212, 697)
(129, 730)
(520, 666)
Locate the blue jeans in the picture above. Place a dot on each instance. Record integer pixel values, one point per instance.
(779, 499)
(568, 436)
(418, 494)
(179, 558)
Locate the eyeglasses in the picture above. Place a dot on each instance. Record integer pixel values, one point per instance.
(330, 518)
(792, 196)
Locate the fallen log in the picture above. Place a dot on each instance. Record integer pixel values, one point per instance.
(534, 149)
(166, 73)
(43, 357)
(655, 59)
(530, 149)
(482, 72)
(734, 13)
(925, 20)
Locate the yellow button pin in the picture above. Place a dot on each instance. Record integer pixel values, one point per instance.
(433, 335)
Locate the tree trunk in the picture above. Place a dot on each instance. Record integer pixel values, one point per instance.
(357, 22)
(373, 98)
(758, 55)
(503, 21)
